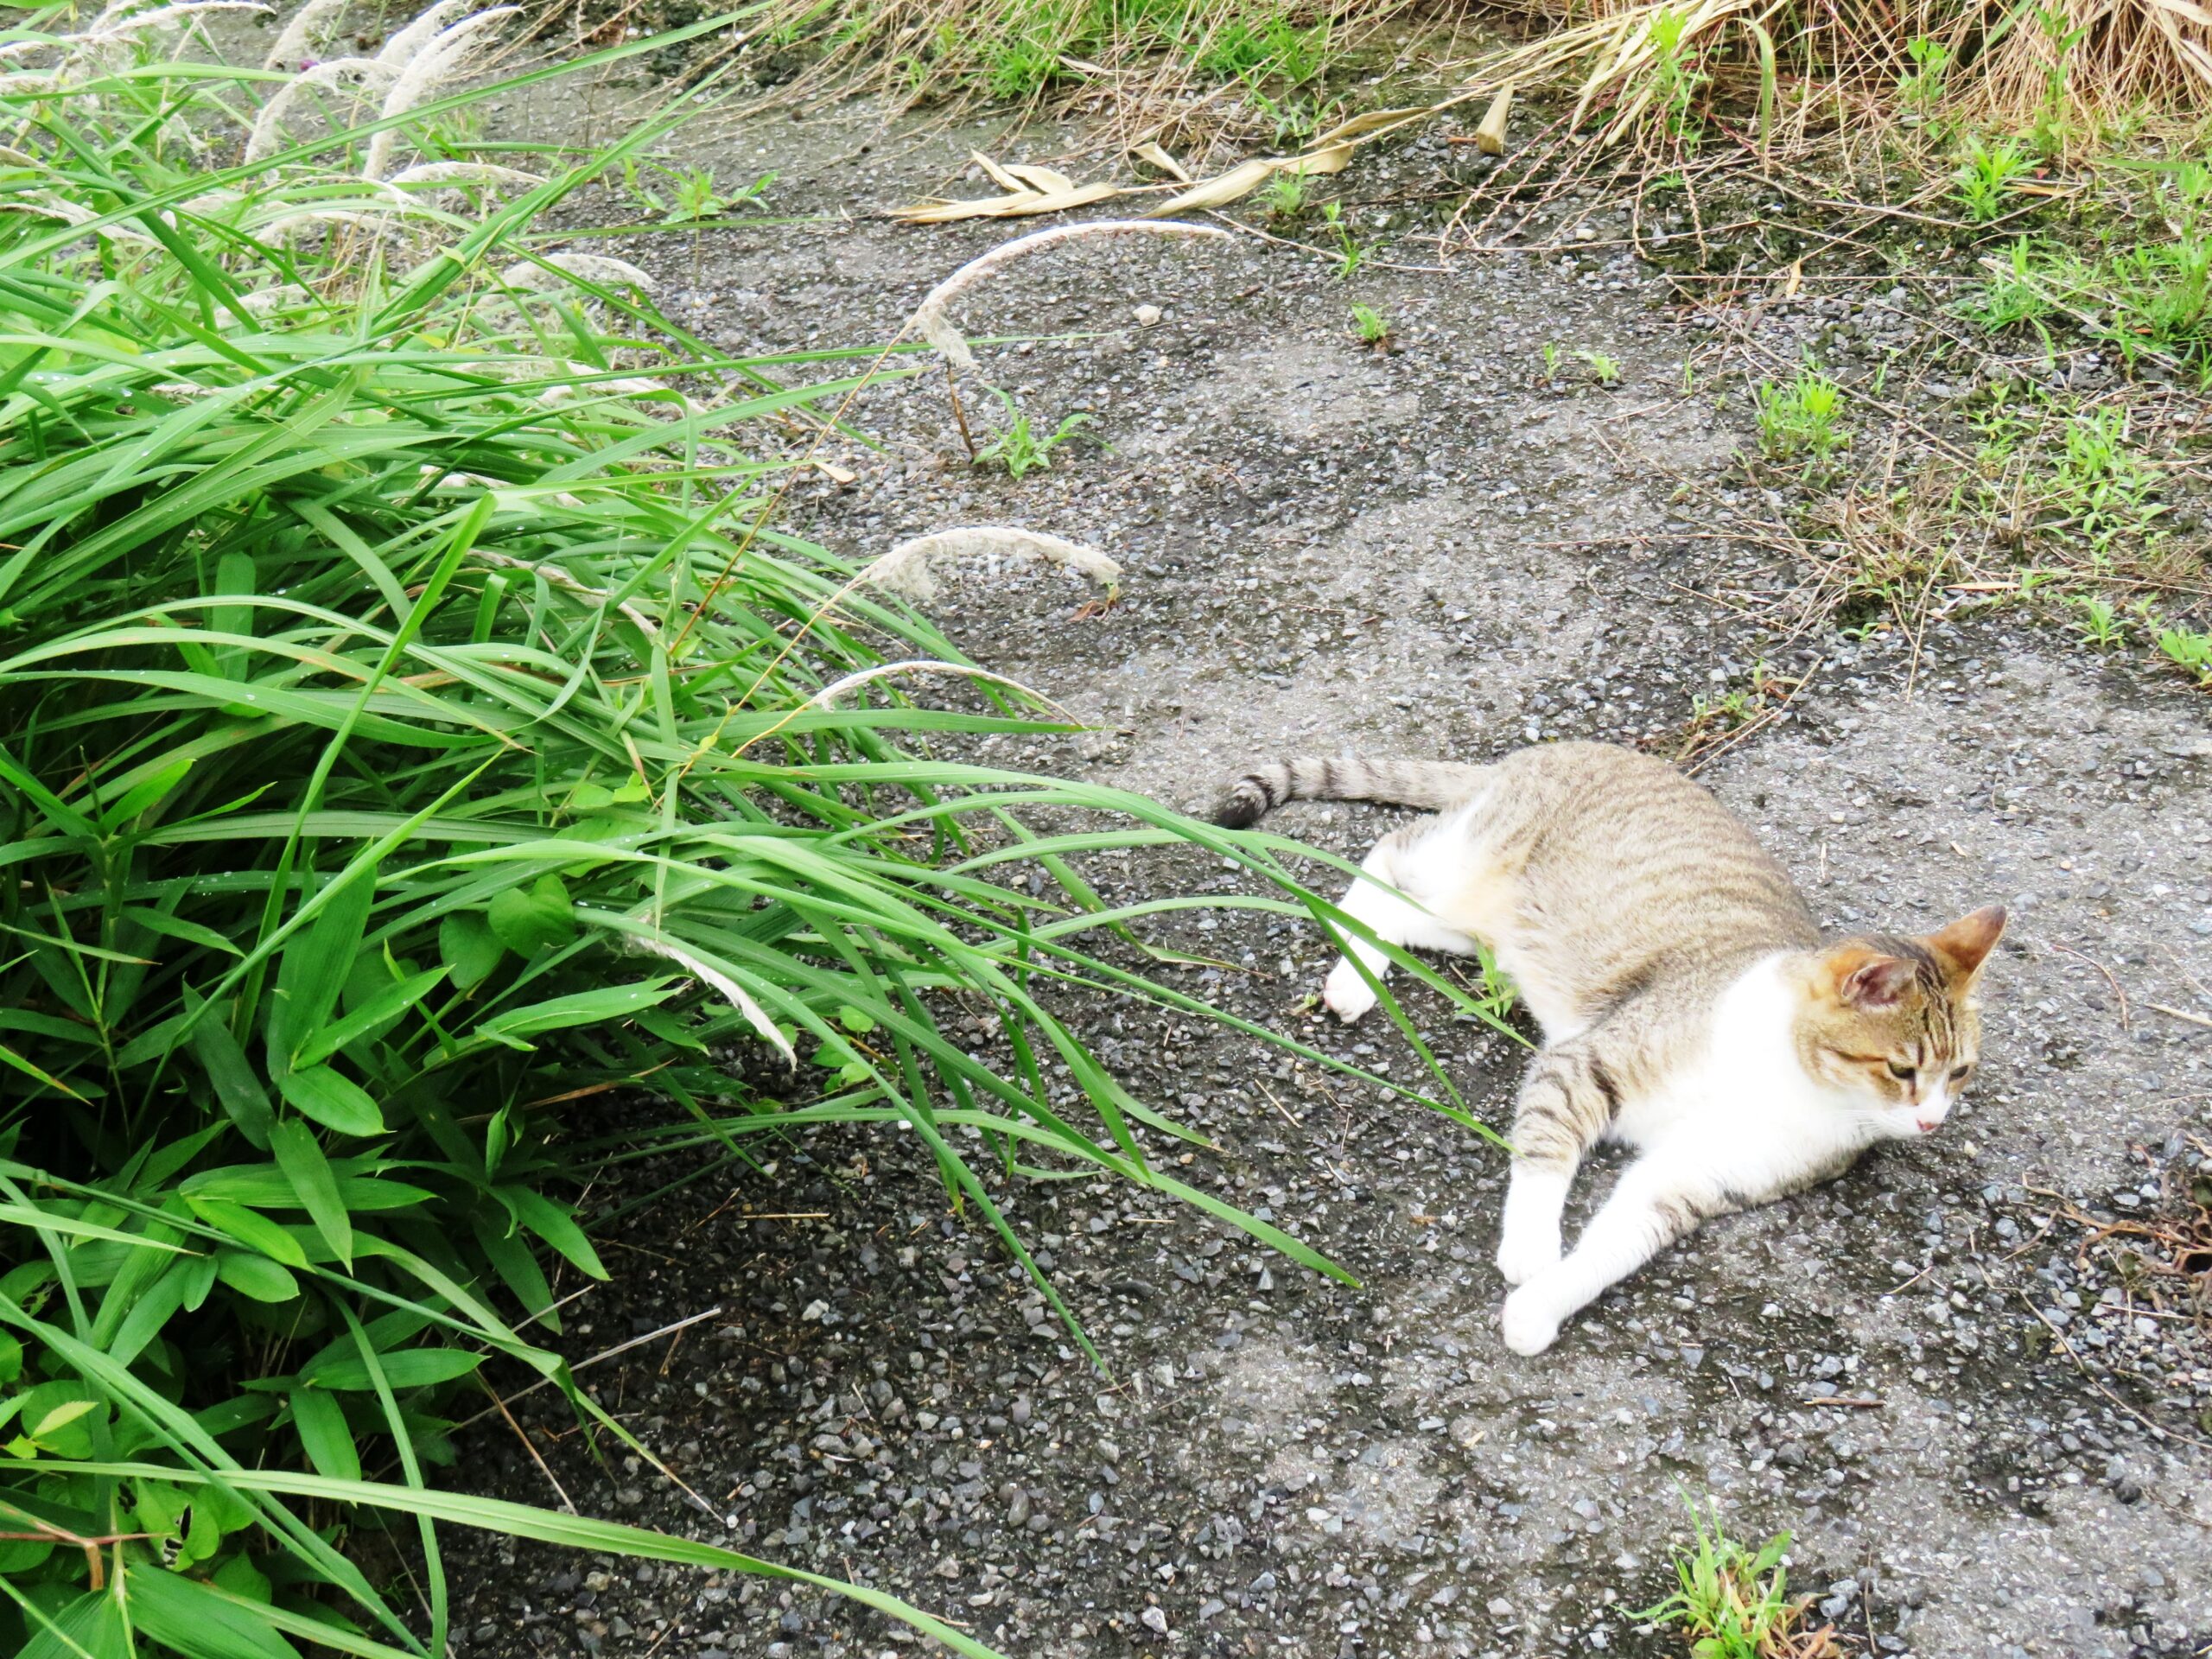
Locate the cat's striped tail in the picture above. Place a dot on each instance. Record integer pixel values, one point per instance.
(1432, 784)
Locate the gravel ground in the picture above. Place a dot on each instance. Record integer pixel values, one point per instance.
(1984, 1421)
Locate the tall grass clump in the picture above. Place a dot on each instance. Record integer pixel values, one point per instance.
(1657, 70)
(411, 732)
(1014, 50)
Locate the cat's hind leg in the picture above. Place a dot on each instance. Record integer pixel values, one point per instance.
(1661, 1197)
(1568, 1099)
(1396, 862)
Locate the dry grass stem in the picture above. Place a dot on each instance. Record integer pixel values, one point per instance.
(929, 321)
(907, 568)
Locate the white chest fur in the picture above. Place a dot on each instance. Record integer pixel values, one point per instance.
(1745, 1102)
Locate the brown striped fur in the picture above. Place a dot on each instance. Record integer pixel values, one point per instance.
(1669, 959)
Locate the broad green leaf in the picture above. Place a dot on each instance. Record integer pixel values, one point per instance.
(237, 1084)
(256, 1276)
(93, 1625)
(469, 949)
(199, 1622)
(314, 965)
(335, 1102)
(320, 1421)
(22, 1215)
(300, 1156)
(251, 1228)
(404, 1368)
(264, 1186)
(376, 1011)
(553, 1223)
(11, 1359)
(607, 1003)
(58, 1417)
(176, 927)
(539, 918)
(147, 793)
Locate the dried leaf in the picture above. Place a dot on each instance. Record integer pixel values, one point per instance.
(997, 175)
(2187, 10)
(1041, 178)
(1015, 206)
(1152, 155)
(1243, 179)
(1489, 137)
(1360, 126)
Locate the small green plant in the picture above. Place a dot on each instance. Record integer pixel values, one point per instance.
(1020, 449)
(1350, 255)
(1987, 175)
(1293, 117)
(1732, 1601)
(2188, 650)
(2053, 113)
(1273, 49)
(1603, 368)
(1372, 327)
(1020, 67)
(1920, 91)
(1677, 76)
(1285, 196)
(1551, 361)
(2098, 484)
(2017, 292)
(2099, 624)
(1800, 418)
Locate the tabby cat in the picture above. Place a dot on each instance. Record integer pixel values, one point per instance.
(1689, 1007)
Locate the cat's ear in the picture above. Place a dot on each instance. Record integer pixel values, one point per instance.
(1966, 944)
(1873, 981)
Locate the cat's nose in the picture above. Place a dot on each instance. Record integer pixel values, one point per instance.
(1928, 1125)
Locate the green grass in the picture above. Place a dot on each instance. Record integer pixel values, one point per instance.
(1021, 447)
(1730, 1600)
(1014, 50)
(1371, 325)
(411, 729)
(1987, 177)
(1604, 369)
(2148, 292)
(1801, 417)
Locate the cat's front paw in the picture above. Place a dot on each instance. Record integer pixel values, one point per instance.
(1531, 1324)
(1521, 1256)
(1346, 993)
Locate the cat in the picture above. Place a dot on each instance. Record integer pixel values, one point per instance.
(1690, 1009)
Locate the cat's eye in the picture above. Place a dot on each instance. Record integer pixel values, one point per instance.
(1902, 1073)
(1957, 1072)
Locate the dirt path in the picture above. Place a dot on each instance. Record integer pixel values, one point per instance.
(1423, 552)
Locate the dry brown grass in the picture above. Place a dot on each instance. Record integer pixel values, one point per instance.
(1245, 67)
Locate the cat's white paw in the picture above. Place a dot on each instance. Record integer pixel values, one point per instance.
(1521, 1256)
(1531, 1324)
(1347, 995)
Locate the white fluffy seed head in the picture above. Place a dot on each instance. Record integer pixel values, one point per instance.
(399, 51)
(70, 213)
(161, 18)
(304, 31)
(908, 569)
(425, 174)
(444, 58)
(733, 992)
(600, 268)
(931, 319)
(363, 74)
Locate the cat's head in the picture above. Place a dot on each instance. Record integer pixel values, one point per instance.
(1892, 1023)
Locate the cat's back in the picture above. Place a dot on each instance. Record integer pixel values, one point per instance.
(1621, 866)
